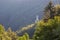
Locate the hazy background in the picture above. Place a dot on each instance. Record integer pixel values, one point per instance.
(18, 13)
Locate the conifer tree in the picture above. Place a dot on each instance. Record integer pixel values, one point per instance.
(11, 34)
(49, 11)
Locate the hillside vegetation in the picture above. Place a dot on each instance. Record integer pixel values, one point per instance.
(48, 28)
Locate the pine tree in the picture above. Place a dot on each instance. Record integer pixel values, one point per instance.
(11, 34)
(49, 11)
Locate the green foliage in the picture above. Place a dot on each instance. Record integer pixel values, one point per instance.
(27, 36)
(1, 28)
(3, 33)
(24, 37)
(19, 38)
(10, 35)
(49, 30)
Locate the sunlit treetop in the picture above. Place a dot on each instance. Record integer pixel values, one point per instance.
(57, 18)
(57, 6)
(2, 28)
(49, 22)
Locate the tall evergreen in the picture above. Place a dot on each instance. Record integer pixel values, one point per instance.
(49, 11)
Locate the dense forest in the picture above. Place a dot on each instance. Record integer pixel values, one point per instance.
(48, 28)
